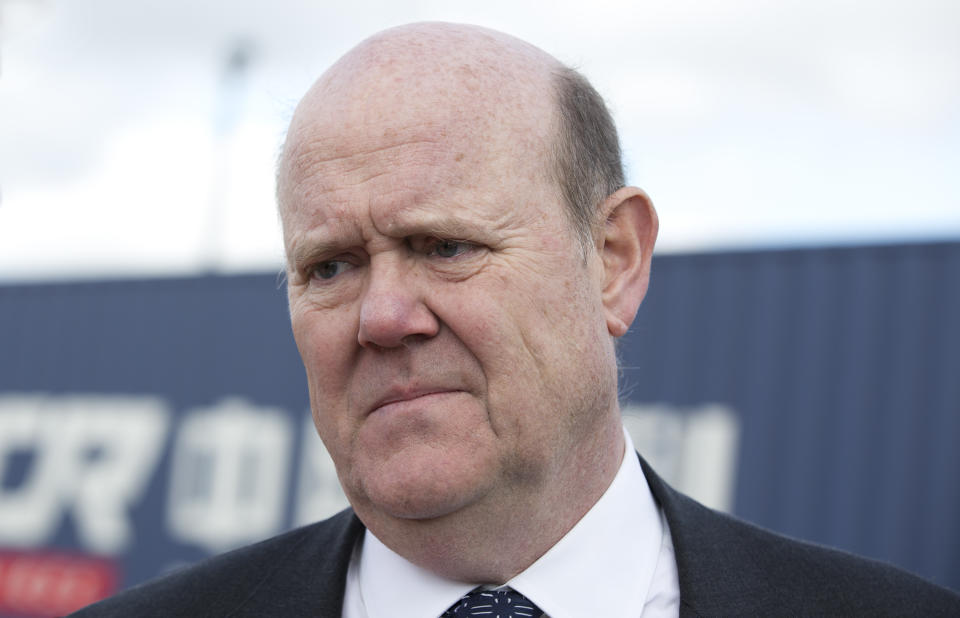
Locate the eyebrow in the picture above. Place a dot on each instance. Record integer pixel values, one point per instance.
(437, 222)
(310, 248)
(314, 248)
(312, 253)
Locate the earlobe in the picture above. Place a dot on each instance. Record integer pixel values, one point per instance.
(626, 247)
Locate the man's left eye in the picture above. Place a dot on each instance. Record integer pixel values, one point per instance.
(447, 248)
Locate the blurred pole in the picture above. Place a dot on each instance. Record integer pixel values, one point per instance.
(227, 115)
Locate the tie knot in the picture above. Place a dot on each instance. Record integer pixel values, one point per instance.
(502, 603)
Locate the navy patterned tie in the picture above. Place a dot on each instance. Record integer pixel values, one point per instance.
(503, 603)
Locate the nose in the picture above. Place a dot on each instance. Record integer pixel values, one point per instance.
(393, 312)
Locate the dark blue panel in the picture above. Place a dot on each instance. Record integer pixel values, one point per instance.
(842, 365)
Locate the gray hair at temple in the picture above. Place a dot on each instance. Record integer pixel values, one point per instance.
(588, 163)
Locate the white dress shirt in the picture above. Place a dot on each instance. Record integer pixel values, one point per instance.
(616, 561)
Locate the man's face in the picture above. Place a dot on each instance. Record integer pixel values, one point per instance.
(451, 329)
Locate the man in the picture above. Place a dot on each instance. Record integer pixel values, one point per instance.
(462, 254)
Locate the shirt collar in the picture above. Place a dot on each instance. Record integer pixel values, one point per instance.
(393, 587)
(614, 547)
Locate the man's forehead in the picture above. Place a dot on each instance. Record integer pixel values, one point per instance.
(331, 138)
(444, 103)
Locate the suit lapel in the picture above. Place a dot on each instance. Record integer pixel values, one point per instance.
(718, 574)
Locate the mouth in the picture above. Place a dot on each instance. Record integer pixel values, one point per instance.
(399, 399)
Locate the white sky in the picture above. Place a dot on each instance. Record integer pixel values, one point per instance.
(125, 152)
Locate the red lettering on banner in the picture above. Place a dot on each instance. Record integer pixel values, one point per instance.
(52, 584)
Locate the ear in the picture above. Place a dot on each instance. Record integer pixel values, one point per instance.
(625, 244)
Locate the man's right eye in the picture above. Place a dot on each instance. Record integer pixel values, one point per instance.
(329, 269)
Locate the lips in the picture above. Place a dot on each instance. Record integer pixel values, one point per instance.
(403, 395)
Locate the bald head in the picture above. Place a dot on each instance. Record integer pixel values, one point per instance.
(493, 89)
(465, 65)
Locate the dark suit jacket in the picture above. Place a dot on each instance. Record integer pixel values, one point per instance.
(727, 568)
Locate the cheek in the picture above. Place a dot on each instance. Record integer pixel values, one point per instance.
(327, 350)
(481, 321)
(531, 347)
(326, 340)
(491, 328)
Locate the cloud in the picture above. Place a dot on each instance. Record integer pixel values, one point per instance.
(110, 106)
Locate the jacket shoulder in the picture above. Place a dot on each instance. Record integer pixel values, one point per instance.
(296, 573)
(761, 571)
(729, 566)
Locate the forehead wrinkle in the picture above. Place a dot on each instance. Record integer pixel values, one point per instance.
(450, 214)
(320, 156)
(323, 185)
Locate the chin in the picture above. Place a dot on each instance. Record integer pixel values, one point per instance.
(422, 492)
(427, 509)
